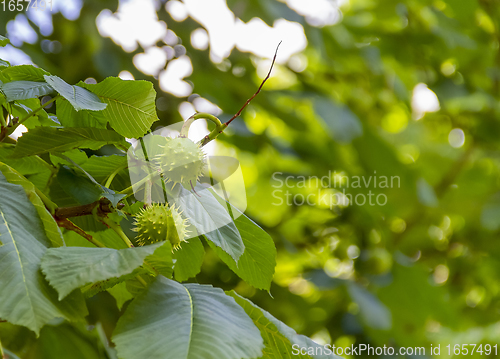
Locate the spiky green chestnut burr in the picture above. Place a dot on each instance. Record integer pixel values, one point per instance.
(158, 223)
(181, 161)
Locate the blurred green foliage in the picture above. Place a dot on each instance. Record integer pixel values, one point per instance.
(423, 268)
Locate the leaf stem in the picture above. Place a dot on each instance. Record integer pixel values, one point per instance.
(32, 114)
(2, 354)
(143, 282)
(113, 175)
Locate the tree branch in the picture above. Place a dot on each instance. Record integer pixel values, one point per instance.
(104, 207)
(67, 224)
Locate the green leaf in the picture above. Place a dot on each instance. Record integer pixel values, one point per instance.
(205, 213)
(90, 290)
(131, 105)
(23, 90)
(68, 268)
(25, 73)
(4, 41)
(170, 320)
(25, 165)
(279, 339)
(22, 108)
(373, 313)
(69, 117)
(256, 265)
(80, 98)
(188, 259)
(80, 188)
(121, 294)
(59, 342)
(49, 224)
(26, 298)
(51, 139)
(161, 259)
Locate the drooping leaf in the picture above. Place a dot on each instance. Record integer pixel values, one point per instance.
(280, 340)
(23, 90)
(49, 224)
(80, 98)
(256, 265)
(26, 298)
(68, 268)
(170, 320)
(207, 216)
(51, 139)
(79, 187)
(131, 106)
(188, 259)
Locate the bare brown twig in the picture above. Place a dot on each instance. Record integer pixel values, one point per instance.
(258, 90)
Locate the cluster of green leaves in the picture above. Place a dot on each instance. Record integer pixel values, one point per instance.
(48, 274)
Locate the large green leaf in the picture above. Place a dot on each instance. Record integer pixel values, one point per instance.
(188, 259)
(77, 186)
(80, 98)
(51, 139)
(23, 90)
(68, 268)
(207, 216)
(25, 297)
(51, 228)
(281, 341)
(25, 73)
(170, 320)
(256, 265)
(131, 106)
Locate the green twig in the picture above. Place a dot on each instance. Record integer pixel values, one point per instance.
(2, 354)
